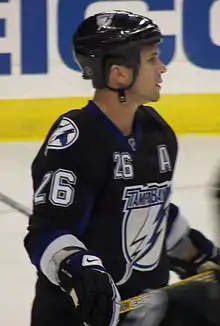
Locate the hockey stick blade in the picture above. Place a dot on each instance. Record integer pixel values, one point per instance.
(142, 299)
(14, 204)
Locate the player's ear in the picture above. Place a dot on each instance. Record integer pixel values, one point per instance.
(119, 76)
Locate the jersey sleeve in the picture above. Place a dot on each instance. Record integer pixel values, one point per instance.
(177, 231)
(66, 177)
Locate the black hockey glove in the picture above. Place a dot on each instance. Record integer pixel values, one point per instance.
(92, 289)
(208, 257)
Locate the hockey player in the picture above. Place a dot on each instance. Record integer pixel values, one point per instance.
(103, 228)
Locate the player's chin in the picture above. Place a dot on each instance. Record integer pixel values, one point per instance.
(155, 97)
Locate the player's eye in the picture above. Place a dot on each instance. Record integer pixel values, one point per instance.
(152, 59)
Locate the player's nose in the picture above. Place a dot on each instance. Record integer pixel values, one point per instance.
(162, 67)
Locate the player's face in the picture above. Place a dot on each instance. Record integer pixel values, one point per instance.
(148, 84)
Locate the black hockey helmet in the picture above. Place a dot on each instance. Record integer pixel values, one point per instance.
(108, 38)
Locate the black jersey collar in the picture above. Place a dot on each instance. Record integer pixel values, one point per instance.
(94, 109)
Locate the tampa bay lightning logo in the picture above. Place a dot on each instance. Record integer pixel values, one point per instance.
(64, 136)
(104, 20)
(144, 226)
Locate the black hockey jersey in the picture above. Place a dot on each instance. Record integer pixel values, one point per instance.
(109, 192)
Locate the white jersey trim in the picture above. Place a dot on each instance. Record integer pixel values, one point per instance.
(178, 232)
(55, 254)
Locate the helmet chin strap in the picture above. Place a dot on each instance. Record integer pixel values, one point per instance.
(121, 95)
(121, 91)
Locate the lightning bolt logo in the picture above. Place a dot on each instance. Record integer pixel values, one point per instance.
(144, 227)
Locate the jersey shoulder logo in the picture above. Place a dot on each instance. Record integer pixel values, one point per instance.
(64, 136)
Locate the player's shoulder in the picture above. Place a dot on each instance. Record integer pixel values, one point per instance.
(71, 127)
(79, 118)
(70, 142)
(69, 147)
(148, 113)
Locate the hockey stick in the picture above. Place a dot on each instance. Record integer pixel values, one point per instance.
(14, 204)
(137, 301)
(142, 299)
